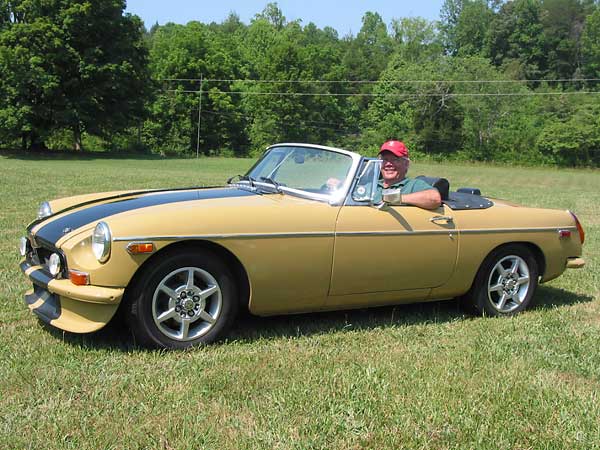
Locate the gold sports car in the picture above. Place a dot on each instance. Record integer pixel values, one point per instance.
(180, 263)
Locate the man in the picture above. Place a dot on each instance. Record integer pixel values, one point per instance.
(394, 155)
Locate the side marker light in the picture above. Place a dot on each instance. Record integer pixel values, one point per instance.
(563, 234)
(79, 278)
(138, 248)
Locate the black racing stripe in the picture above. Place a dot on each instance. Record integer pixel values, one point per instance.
(50, 309)
(55, 229)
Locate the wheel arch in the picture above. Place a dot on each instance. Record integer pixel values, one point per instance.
(233, 263)
(470, 300)
(536, 251)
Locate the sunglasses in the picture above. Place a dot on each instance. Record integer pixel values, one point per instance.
(393, 159)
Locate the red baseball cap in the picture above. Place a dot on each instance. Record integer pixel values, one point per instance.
(396, 147)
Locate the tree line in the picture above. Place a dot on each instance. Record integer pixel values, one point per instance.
(514, 81)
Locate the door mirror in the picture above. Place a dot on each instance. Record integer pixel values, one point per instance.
(392, 197)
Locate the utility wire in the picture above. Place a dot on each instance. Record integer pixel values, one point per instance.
(232, 80)
(332, 94)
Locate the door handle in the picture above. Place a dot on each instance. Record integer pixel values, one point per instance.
(441, 219)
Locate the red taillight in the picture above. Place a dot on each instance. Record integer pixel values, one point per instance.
(579, 227)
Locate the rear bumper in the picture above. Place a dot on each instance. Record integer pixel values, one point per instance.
(575, 263)
(78, 309)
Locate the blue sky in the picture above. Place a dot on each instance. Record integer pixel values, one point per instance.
(344, 16)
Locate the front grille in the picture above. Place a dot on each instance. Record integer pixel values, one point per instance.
(38, 256)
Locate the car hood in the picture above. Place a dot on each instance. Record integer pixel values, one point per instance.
(102, 207)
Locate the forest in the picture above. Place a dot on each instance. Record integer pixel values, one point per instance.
(505, 81)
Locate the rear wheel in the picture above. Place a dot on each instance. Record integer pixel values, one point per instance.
(505, 282)
(185, 299)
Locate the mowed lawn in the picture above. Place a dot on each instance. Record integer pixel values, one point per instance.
(413, 376)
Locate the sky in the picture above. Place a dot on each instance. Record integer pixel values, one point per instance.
(343, 15)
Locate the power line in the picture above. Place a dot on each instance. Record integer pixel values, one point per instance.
(333, 94)
(233, 80)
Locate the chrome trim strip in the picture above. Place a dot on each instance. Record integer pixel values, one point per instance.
(515, 230)
(227, 236)
(393, 233)
(331, 234)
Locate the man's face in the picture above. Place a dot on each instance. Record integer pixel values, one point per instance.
(393, 168)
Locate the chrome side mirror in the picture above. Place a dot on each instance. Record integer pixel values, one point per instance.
(392, 197)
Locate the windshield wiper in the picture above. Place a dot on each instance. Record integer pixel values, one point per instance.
(247, 178)
(273, 182)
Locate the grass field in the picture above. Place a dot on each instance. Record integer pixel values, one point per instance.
(416, 376)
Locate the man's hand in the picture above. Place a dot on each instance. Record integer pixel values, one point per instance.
(332, 184)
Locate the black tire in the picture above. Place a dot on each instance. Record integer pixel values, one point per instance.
(191, 286)
(505, 283)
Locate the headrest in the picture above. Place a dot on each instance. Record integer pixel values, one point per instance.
(441, 184)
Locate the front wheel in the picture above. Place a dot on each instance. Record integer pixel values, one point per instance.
(185, 299)
(505, 282)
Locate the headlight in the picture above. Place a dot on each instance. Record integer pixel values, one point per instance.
(101, 242)
(44, 210)
(54, 264)
(23, 246)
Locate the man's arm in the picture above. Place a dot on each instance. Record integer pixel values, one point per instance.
(427, 199)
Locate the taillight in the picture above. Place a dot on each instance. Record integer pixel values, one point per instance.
(579, 227)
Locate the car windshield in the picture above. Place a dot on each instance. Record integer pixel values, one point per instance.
(312, 170)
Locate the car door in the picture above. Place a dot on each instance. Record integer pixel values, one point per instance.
(399, 248)
(391, 248)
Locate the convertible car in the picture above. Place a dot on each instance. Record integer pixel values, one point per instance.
(283, 238)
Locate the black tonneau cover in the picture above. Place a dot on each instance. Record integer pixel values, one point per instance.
(462, 200)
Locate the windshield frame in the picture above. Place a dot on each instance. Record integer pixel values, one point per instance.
(336, 198)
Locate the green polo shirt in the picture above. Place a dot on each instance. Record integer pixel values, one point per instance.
(406, 186)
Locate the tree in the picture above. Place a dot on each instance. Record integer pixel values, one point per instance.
(562, 21)
(449, 17)
(574, 141)
(286, 62)
(516, 39)
(424, 114)
(416, 39)
(188, 52)
(590, 45)
(80, 65)
(472, 28)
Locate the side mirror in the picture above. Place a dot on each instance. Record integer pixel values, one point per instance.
(392, 197)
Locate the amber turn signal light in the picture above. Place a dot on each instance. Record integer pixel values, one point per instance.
(137, 248)
(79, 278)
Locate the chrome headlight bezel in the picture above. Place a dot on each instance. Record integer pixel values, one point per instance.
(45, 210)
(101, 242)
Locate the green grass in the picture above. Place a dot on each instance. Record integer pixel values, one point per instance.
(415, 376)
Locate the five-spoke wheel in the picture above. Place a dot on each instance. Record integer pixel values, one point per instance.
(186, 303)
(185, 298)
(506, 281)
